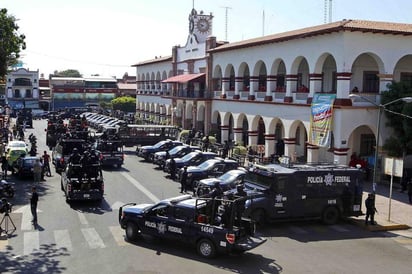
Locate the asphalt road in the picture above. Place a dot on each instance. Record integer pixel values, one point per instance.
(86, 237)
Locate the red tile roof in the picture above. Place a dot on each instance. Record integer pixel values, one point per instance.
(153, 61)
(183, 78)
(344, 25)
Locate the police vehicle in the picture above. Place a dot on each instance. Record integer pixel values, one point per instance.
(191, 159)
(209, 224)
(62, 151)
(110, 152)
(303, 191)
(159, 157)
(147, 152)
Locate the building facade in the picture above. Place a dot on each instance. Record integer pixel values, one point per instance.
(22, 89)
(259, 91)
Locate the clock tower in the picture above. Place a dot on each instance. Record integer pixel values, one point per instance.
(200, 25)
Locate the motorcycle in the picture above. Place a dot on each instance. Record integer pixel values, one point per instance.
(6, 189)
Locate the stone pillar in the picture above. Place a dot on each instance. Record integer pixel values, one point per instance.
(270, 86)
(238, 87)
(225, 86)
(315, 85)
(343, 89)
(252, 137)
(253, 85)
(340, 155)
(269, 144)
(312, 153)
(224, 131)
(237, 135)
(194, 116)
(384, 80)
(290, 147)
(291, 82)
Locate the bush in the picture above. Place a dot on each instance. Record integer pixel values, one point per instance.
(184, 134)
(239, 150)
(212, 139)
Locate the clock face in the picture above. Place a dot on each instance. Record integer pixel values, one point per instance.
(203, 25)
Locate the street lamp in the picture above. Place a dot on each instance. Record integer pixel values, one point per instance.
(380, 107)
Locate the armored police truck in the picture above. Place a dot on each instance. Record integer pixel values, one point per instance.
(303, 191)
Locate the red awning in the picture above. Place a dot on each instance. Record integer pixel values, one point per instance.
(184, 78)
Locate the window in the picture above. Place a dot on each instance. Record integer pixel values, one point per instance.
(17, 93)
(297, 138)
(367, 144)
(28, 94)
(370, 82)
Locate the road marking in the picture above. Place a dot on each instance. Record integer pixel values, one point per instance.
(93, 238)
(140, 187)
(26, 217)
(117, 205)
(118, 235)
(30, 242)
(82, 218)
(4, 242)
(62, 239)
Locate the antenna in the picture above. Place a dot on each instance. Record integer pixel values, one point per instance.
(226, 20)
(327, 16)
(330, 11)
(263, 23)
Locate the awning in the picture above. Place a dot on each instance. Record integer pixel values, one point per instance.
(184, 78)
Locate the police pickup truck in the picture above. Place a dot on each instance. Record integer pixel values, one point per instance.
(303, 191)
(79, 183)
(209, 224)
(61, 152)
(110, 152)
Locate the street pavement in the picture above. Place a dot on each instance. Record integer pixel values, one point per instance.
(394, 214)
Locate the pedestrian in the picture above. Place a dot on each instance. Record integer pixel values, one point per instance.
(206, 142)
(370, 209)
(33, 204)
(46, 164)
(4, 166)
(409, 187)
(37, 171)
(172, 169)
(183, 180)
(225, 151)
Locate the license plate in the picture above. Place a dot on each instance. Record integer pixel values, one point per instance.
(86, 195)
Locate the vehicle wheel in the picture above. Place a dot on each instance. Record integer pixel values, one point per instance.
(330, 215)
(132, 231)
(10, 193)
(258, 215)
(206, 249)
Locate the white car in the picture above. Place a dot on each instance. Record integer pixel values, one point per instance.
(17, 144)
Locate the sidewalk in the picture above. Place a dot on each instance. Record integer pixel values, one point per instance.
(400, 210)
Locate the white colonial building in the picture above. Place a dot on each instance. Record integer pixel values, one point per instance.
(260, 91)
(22, 89)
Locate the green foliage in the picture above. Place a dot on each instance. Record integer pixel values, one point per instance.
(124, 103)
(400, 142)
(184, 134)
(11, 42)
(212, 139)
(239, 150)
(68, 73)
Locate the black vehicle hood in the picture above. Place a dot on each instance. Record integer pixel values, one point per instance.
(137, 209)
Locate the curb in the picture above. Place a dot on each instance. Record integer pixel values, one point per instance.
(385, 226)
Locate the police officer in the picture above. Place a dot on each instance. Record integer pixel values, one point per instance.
(75, 157)
(217, 191)
(85, 163)
(240, 206)
(183, 180)
(95, 161)
(370, 209)
(172, 169)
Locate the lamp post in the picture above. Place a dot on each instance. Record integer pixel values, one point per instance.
(380, 108)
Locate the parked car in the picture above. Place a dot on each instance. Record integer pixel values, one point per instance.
(159, 157)
(13, 154)
(192, 159)
(227, 181)
(17, 145)
(147, 152)
(23, 167)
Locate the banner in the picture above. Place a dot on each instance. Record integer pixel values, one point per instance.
(321, 119)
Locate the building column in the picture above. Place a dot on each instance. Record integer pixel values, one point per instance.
(224, 131)
(238, 87)
(237, 135)
(384, 80)
(225, 86)
(194, 116)
(315, 85)
(269, 144)
(312, 153)
(291, 82)
(290, 148)
(343, 89)
(270, 86)
(340, 155)
(252, 137)
(253, 85)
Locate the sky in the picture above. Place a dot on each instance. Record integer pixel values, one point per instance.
(107, 37)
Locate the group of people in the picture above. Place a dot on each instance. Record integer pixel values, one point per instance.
(88, 163)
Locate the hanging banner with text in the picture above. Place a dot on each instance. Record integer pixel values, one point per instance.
(321, 117)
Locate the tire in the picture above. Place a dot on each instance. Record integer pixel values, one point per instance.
(206, 248)
(132, 232)
(330, 215)
(10, 193)
(258, 215)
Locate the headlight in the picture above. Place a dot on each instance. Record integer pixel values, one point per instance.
(189, 175)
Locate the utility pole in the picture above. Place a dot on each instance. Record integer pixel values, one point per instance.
(226, 20)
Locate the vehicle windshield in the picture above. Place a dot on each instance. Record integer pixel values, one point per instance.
(159, 144)
(68, 147)
(175, 149)
(259, 179)
(17, 144)
(228, 177)
(29, 162)
(189, 156)
(206, 165)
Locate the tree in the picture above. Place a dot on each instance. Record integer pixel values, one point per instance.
(400, 143)
(124, 103)
(11, 42)
(67, 73)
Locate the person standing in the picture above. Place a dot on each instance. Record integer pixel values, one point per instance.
(46, 164)
(37, 171)
(4, 166)
(409, 187)
(33, 204)
(172, 169)
(370, 209)
(183, 180)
